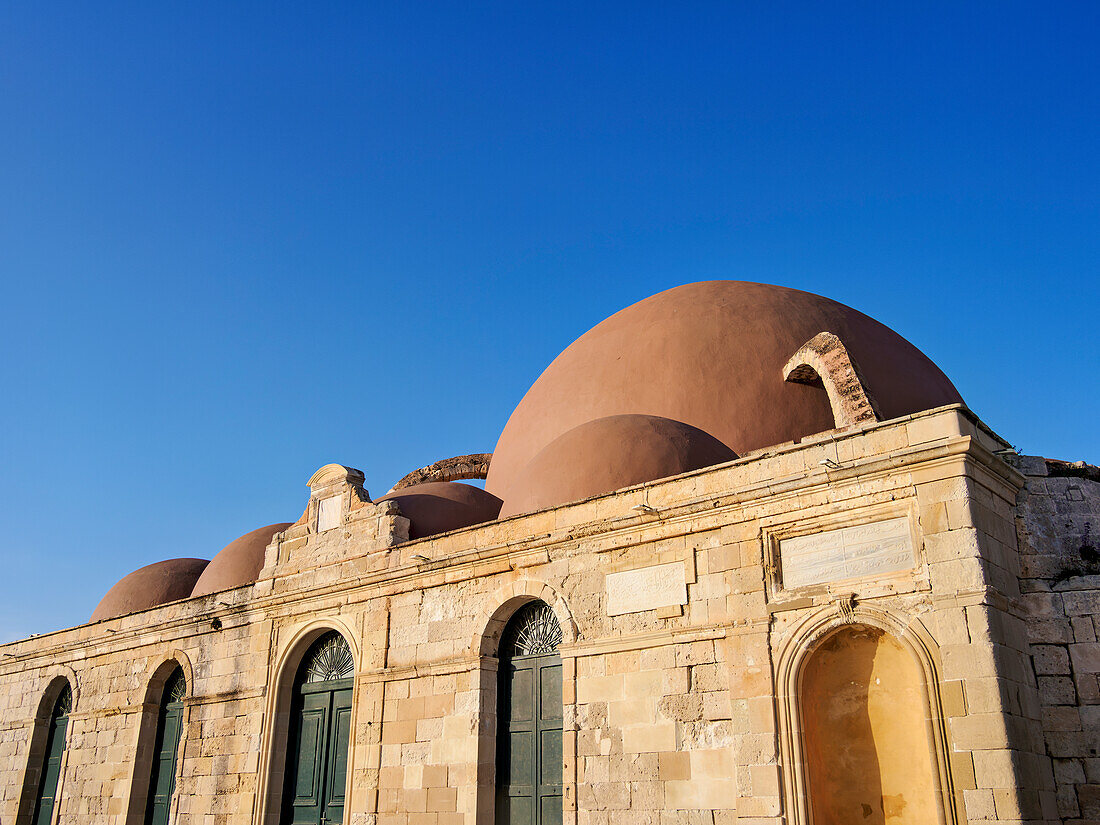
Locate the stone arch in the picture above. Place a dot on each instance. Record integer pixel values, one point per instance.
(55, 679)
(459, 468)
(507, 600)
(277, 712)
(796, 657)
(156, 680)
(824, 361)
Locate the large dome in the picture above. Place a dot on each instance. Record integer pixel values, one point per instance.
(609, 454)
(157, 583)
(711, 355)
(239, 562)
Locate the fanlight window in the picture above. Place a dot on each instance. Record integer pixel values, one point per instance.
(176, 689)
(533, 631)
(64, 704)
(327, 660)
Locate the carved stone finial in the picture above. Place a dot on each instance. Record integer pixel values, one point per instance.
(824, 357)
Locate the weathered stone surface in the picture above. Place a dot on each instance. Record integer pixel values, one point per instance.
(684, 711)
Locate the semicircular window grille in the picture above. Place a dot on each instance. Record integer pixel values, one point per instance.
(533, 631)
(176, 688)
(64, 704)
(328, 659)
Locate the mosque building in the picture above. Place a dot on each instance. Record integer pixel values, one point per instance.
(743, 556)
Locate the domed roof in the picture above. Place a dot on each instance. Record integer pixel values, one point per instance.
(711, 355)
(439, 506)
(157, 583)
(609, 454)
(239, 562)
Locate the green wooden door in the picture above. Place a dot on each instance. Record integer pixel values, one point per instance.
(529, 720)
(55, 750)
(162, 783)
(317, 753)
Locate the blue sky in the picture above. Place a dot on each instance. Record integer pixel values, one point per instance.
(240, 241)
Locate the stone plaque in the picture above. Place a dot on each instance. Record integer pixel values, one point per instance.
(848, 553)
(328, 513)
(646, 588)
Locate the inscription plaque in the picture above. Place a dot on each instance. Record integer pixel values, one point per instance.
(328, 513)
(848, 553)
(646, 588)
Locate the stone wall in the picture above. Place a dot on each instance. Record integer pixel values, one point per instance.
(1058, 522)
(682, 652)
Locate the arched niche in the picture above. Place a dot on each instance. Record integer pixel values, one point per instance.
(282, 712)
(862, 730)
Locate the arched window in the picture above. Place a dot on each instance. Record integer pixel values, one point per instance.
(55, 749)
(529, 719)
(317, 756)
(162, 781)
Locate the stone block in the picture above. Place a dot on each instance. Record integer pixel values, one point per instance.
(1050, 660)
(649, 738)
(1085, 657)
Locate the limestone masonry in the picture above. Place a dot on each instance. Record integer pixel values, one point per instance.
(743, 557)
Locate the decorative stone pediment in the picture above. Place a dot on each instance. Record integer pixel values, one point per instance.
(340, 524)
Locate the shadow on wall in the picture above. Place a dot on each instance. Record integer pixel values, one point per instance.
(867, 745)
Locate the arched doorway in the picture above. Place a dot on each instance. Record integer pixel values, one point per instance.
(162, 781)
(529, 719)
(46, 798)
(320, 730)
(868, 747)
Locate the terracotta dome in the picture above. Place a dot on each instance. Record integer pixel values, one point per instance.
(239, 562)
(609, 454)
(439, 506)
(157, 583)
(711, 355)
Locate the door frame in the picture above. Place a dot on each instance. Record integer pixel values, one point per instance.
(54, 682)
(156, 680)
(275, 727)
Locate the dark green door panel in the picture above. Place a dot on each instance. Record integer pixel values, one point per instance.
(51, 771)
(163, 780)
(317, 756)
(339, 736)
(529, 753)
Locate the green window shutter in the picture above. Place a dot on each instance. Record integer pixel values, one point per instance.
(55, 750)
(162, 782)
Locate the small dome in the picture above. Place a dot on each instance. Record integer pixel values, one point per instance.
(239, 562)
(609, 454)
(711, 355)
(439, 506)
(157, 583)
